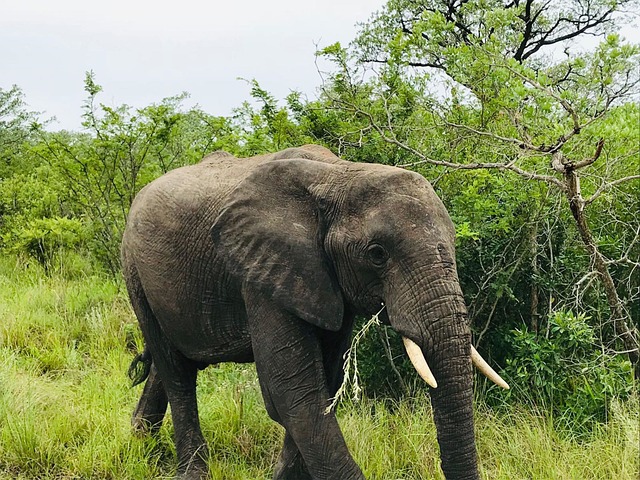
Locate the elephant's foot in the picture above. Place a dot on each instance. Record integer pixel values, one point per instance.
(152, 406)
(295, 471)
(196, 468)
(193, 474)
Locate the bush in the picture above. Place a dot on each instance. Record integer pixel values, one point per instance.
(563, 372)
(42, 238)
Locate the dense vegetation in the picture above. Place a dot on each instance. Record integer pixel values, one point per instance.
(532, 143)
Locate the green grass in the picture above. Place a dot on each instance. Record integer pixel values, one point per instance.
(65, 345)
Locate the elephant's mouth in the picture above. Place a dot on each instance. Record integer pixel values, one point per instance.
(422, 367)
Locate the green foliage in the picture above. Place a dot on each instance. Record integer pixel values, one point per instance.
(75, 189)
(36, 214)
(17, 126)
(563, 372)
(267, 127)
(43, 237)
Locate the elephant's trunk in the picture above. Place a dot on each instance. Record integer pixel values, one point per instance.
(452, 405)
(434, 317)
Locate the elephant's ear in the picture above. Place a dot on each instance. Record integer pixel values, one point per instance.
(270, 234)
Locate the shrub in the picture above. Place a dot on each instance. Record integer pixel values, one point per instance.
(42, 238)
(563, 372)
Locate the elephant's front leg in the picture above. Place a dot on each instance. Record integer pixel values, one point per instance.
(289, 362)
(290, 464)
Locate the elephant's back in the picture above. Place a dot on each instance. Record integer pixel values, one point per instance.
(172, 216)
(203, 188)
(196, 190)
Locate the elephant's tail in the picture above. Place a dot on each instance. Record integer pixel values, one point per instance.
(139, 373)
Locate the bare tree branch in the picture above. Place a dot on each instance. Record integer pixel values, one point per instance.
(482, 133)
(565, 104)
(607, 186)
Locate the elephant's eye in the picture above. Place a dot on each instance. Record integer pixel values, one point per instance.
(377, 254)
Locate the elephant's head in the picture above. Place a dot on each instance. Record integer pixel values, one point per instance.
(320, 238)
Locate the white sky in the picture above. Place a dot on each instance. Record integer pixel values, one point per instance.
(143, 50)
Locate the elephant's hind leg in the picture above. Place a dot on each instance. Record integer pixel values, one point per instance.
(152, 406)
(172, 378)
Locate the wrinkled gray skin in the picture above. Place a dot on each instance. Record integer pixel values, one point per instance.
(268, 259)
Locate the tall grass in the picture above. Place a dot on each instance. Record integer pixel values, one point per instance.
(67, 339)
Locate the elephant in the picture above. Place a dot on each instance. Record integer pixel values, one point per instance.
(269, 259)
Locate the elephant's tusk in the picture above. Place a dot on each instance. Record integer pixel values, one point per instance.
(419, 363)
(486, 370)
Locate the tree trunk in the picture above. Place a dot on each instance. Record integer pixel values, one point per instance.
(619, 316)
(535, 314)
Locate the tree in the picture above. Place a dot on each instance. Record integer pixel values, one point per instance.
(122, 150)
(269, 127)
(425, 33)
(476, 85)
(16, 127)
